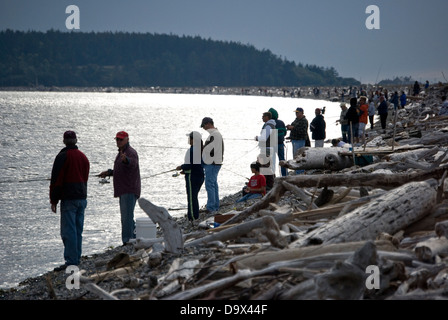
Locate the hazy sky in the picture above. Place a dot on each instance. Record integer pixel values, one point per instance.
(411, 41)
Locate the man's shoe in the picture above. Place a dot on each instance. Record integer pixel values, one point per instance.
(61, 268)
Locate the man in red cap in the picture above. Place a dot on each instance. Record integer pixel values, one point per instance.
(69, 185)
(127, 183)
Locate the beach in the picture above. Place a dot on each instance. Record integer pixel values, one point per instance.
(141, 272)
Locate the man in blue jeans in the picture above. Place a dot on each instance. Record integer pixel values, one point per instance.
(127, 183)
(212, 156)
(69, 185)
(299, 133)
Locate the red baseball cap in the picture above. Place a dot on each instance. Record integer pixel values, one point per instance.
(122, 135)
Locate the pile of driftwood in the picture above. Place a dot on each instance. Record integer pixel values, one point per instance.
(337, 232)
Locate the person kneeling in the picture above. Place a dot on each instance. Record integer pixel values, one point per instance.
(256, 187)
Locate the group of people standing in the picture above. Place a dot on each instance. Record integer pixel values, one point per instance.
(68, 186)
(355, 119)
(202, 163)
(70, 174)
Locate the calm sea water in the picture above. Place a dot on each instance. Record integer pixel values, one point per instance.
(31, 129)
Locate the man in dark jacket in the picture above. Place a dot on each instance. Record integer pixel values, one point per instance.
(127, 183)
(281, 133)
(317, 127)
(352, 117)
(383, 112)
(69, 185)
(194, 174)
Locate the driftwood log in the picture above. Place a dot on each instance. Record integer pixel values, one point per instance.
(376, 180)
(171, 231)
(269, 223)
(389, 213)
(318, 158)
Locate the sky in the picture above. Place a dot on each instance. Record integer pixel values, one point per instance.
(409, 38)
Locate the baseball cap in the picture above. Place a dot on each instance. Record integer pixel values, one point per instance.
(299, 110)
(69, 135)
(205, 121)
(122, 135)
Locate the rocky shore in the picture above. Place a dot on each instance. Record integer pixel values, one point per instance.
(294, 256)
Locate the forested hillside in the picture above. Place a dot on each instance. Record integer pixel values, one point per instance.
(119, 59)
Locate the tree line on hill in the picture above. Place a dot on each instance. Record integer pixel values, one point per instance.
(121, 59)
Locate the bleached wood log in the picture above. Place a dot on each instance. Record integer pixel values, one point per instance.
(377, 180)
(300, 193)
(264, 259)
(441, 229)
(438, 214)
(417, 279)
(318, 158)
(219, 284)
(171, 231)
(272, 232)
(345, 280)
(241, 229)
(388, 213)
(100, 292)
(142, 243)
(427, 251)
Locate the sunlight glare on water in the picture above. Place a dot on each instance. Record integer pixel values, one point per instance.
(32, 126)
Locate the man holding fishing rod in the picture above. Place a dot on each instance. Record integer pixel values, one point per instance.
(127, 183)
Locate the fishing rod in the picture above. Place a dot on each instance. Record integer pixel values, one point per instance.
(39, 179)
(239, 139)
(235, 173)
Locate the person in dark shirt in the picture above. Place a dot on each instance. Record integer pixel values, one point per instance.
(383, 112)
(68, 185)
(352, 118)
(194, 174)
(127, 183)
(317, 127)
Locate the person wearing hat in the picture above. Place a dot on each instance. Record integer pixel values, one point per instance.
(281, 133)
(343, 122)
(69, 177)
(299, 132)
(194, 174)
(317, 127)
(127, 183)
(212, 156)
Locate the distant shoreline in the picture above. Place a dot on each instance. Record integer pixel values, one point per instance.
(329, 93)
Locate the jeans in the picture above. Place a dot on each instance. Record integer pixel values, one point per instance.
(281, 156)
(249, 196)
(344, 131)
(127, 205)
(296, 145)
(72, 224)
(211, 186)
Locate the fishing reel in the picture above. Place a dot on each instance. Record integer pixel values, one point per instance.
(104, 180)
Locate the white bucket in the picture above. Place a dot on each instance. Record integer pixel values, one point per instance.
(145, 228)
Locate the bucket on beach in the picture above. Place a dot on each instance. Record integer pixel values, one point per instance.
(145, 228)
